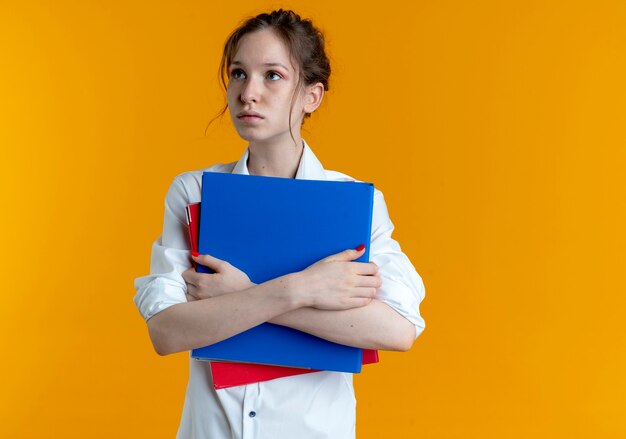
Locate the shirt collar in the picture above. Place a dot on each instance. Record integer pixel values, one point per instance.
(309, 168)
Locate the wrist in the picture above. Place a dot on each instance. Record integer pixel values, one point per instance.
(293, 290)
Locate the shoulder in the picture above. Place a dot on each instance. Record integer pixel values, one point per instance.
(339, 176)
(381, 223)
(191, 178)
(188, 185)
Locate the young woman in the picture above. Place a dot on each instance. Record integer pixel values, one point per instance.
(277, 73)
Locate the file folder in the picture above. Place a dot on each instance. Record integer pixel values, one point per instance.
(268, 227)
(227, 374)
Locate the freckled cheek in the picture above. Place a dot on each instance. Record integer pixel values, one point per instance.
(233, 90)
(230, 94)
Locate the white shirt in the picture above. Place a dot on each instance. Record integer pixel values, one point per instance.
(309, 406)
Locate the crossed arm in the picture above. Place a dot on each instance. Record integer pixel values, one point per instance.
(373, 326)
(332, 299)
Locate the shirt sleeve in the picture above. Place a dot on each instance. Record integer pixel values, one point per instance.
(402, 287)
(165, 286)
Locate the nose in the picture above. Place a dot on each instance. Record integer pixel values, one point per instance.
(250, 92)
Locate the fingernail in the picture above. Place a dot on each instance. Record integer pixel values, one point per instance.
(195, 253)
(361, 247)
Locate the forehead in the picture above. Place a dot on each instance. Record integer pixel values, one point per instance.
(261, 47)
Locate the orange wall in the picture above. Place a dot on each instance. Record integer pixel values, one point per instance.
(497, 131)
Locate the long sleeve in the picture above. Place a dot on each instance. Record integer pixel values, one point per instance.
(402, 287)
(165, 286)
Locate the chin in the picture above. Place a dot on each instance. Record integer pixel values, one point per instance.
(245, 133)
(250, 137)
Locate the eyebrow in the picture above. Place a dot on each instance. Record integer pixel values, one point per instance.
(267, 64)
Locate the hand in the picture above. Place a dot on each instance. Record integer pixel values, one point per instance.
(336, 283)
(226, 279)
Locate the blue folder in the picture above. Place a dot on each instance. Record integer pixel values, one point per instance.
(268, 227)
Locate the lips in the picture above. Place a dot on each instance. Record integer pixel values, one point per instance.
(249, 115)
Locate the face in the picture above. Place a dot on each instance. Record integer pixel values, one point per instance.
(261, 83)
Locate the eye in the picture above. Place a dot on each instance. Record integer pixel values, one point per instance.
(274, 76)
(237, 74)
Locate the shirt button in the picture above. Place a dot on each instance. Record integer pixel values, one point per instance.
(252, 414)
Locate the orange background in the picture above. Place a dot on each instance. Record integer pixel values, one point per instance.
(496, 130)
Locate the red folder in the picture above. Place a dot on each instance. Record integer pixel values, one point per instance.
(237, 374)
(227, 374)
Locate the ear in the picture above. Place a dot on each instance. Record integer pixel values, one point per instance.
(313, 95)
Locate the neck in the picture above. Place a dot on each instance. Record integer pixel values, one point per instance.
(275, 159)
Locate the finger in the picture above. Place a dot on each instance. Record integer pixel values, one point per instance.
(347, 255)
(191, 289)
(365, 268)
(358, 302)
(369, 282)
(365, 293)
(212, 262)
(190, 276)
